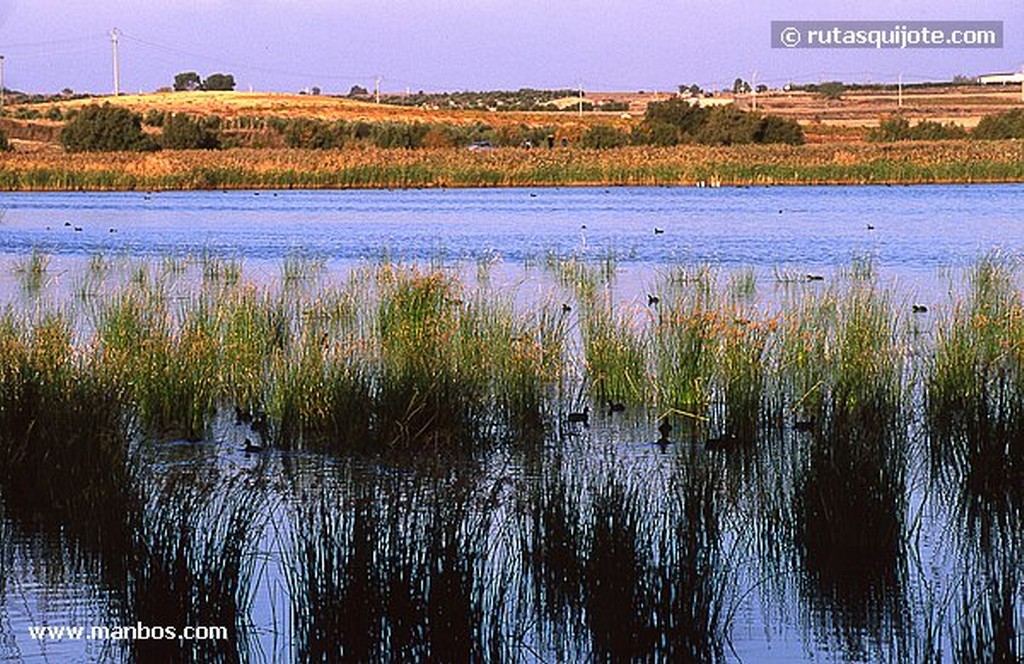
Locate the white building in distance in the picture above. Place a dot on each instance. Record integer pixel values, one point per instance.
(1002, 79)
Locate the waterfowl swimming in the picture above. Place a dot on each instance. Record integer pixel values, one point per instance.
(566, 308)
(664, 428)
(251, 447)
(815, 277)
(652, 300)
(615, 407)
(804, 425)
(580, 417)
(658, 231)
(259, 423)
(720, 442)
(919, 309)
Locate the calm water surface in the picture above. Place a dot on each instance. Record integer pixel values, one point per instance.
(915, 228)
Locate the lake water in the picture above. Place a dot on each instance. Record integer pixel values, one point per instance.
(915, 228)
(548, 575)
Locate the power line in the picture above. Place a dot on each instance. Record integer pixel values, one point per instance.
(91, 38)
(247, 66)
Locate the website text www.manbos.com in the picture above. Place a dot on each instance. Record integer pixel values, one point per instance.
(887, 34)
(137, 632)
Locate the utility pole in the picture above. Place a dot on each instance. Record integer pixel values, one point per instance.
(899, 90)
(581, 100)
(376, 89)
(117, 69)
(753, 91)
(1, 81)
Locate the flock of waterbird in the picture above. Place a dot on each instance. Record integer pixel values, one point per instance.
(714, 443)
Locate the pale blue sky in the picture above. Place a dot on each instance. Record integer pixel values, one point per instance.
(286, 45)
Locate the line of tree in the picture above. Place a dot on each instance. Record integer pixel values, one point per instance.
(677, 121)
(898, 128)
(1008, 125)
(188, 81)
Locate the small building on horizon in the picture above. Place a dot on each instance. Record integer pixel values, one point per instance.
(1002, 79)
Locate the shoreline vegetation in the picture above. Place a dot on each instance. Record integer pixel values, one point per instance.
(813, 439)
(938, 162)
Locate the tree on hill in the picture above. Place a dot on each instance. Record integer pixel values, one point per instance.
(740, 86)
(187, 81)
(105, 128)
(832, 89)
(358, 91)
(221, 82)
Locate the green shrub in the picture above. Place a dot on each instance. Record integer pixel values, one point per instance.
(1001, 126)
(603, 137)
(677, 121)
(24, 113)
(679, 113)
(315, 134)
(105, 128)
(398, 135)
(183, 132)
(775, 129)
(154, 118)
(898, 128)
(728, 125)
(5, 145)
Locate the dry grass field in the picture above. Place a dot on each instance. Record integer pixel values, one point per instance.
(262, 104)
(835, 130)
(842, 120)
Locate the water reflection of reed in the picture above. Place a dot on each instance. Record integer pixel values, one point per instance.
(388, 568)
(190, 560)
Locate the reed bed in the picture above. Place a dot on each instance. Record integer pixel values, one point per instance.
(63, 436)
(927, 162)
(793, 418)
(975, 402)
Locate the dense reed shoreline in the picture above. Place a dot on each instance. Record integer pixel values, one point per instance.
(939, 162)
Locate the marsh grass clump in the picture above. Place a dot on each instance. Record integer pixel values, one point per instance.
(615, 353)
(63, 441)
(988, 628)
(685, 342)
(742, 285)
(254, 332)
(975, 398)
(217, 270)
(745, 403)
(622, 566)
(299, 267)
(581, 277)
(32, 272)
(426, 395)
(849, 500)
(169, 376)
(405, 359)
